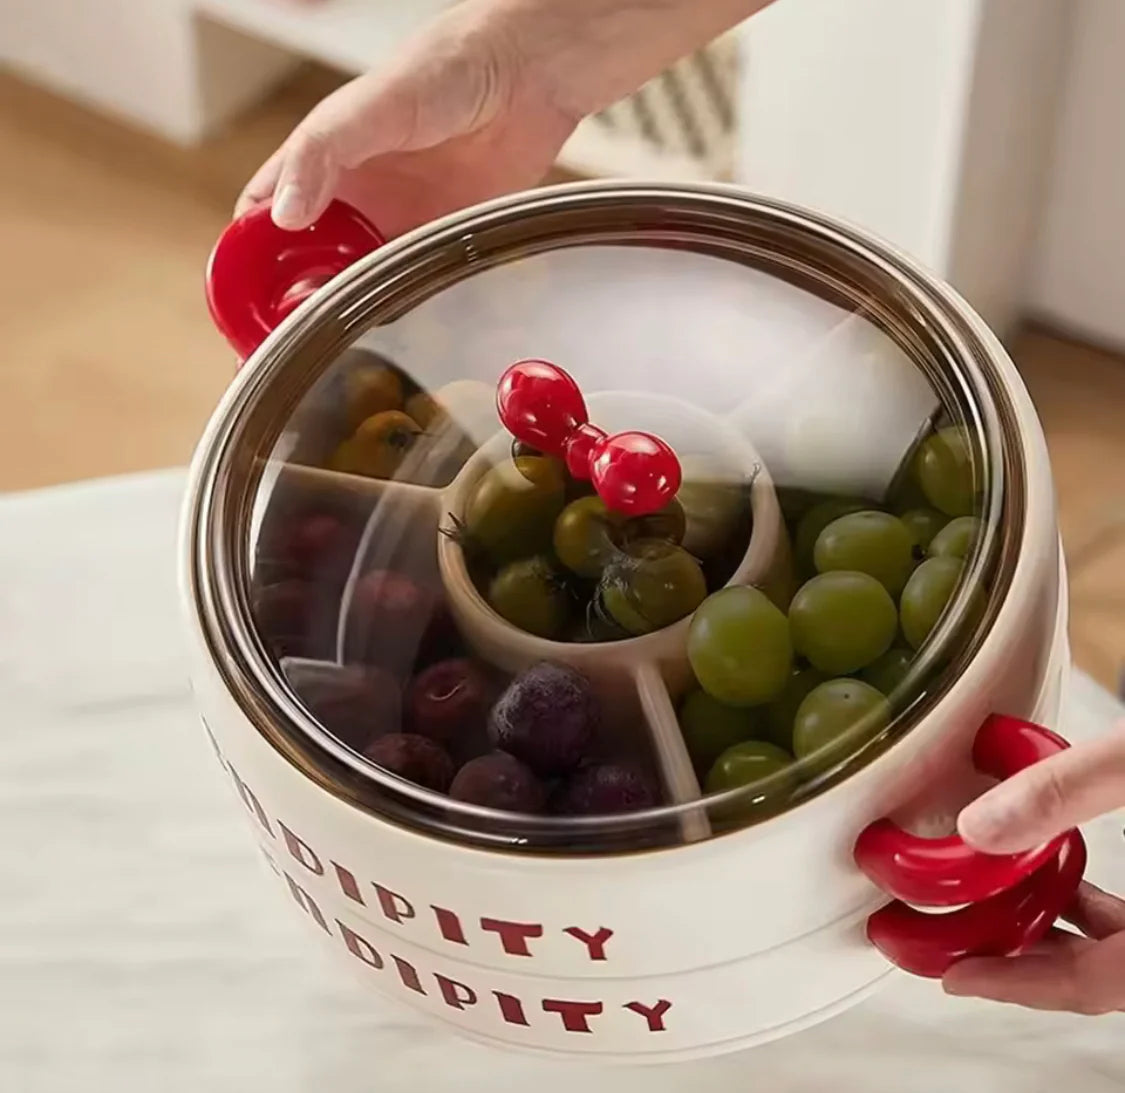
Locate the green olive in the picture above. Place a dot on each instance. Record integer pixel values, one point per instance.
(530, 595)
(650, 586)
(511, 511)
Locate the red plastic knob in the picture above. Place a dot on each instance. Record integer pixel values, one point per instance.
(258, 273)
(635, 473)
(1012, 899)
(541, 405)
(929, 944)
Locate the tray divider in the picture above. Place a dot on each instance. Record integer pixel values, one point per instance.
(675, 764)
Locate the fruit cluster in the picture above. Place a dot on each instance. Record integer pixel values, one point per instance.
(414, 702)
(774, 685)
(300, 571)
(551, 558)
(391, 428)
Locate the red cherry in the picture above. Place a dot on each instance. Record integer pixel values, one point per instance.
(579, 450)
(540, 405)
(635, 473)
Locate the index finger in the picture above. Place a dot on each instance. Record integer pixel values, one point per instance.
(1049, 797)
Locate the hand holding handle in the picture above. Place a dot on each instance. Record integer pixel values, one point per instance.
(1012, 899)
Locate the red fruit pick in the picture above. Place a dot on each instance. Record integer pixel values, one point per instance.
(635, 473)
(540, 405)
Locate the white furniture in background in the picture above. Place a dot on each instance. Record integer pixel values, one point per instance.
(1079, 274)
(929, 123)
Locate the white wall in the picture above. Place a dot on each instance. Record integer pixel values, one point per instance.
(928, 122)
(1079, 273)
(853, 107)
(1007, 145)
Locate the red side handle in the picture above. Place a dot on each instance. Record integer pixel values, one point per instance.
(258, 273)
(1013, 899)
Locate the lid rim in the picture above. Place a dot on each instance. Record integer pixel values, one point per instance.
(217, 560)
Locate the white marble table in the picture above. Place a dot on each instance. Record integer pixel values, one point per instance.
(141, 948)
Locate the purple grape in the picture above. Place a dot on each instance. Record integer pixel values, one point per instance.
(317, 539)
(601, 789)
(390, 615)
(449, 700)
(499, 781)
(415, 758)
(355, 704)
(547, 717)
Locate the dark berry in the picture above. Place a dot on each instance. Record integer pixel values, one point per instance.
(604, 788)
(355, 704)
(390, 616)
(449, 700)
(499, 781)
(547, 717)
(317, 539)
(415, 758)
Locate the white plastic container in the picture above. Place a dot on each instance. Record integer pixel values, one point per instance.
(668, 933)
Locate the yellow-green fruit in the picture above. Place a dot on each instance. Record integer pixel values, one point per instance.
(379, 445)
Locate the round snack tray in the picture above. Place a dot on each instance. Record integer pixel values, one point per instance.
(407, 523)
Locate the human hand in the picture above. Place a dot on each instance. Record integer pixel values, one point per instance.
(455, 119)
(478, 105)
(1083, 972)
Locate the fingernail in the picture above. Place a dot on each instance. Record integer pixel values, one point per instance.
(290, 208)
(992, 819)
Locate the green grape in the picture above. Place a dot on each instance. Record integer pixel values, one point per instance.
(867, 542)
(650, 586)
(815, 521)
(530, 595)
(835, 709)
(927, 594)
(905, 493)
(887, 673)
(943, 467)
(781, 713)
(709, 727)
(957, 539)
(842, 621)
(923, 524)
(795, 502)
(739, 647)
(744, 764)
(511, 511)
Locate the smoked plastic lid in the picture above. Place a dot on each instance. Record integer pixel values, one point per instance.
(599, 518)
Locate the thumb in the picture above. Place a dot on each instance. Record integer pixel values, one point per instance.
(361, 120)
(1049, 797)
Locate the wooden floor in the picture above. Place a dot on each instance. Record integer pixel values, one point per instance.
(110, 364)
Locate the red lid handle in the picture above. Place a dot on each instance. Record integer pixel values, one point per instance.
(1013, 898)
(542, 406)
(258, 273)
(1005, 925)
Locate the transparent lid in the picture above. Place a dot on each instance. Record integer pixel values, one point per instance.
(609, 518)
